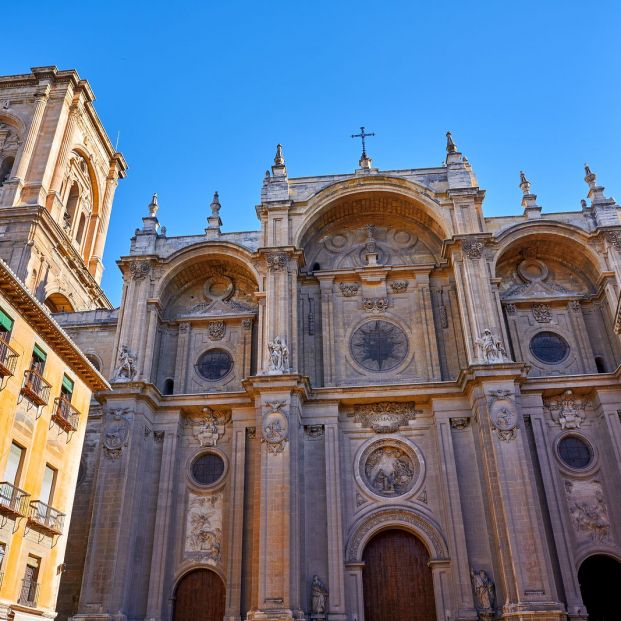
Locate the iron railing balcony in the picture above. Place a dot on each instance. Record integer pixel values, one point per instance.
(45, 518)
(65, 415)
(13, 501)
(29, 593)
(8, 358)
(35, 388)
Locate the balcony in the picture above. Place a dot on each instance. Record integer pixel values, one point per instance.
(13, 501)
(29, 593)
(8, 359)
(44, 518)
(35, 388)
(65, 415)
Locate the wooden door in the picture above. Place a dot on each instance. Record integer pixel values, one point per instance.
(199, 597)
(397, 582)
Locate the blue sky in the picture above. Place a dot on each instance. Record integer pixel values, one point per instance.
(202, 92)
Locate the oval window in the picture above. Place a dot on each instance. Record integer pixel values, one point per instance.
(575, 452)
(549, 347)
(207, 469)
(215, 364)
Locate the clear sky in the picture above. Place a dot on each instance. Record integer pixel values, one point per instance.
(202, 92)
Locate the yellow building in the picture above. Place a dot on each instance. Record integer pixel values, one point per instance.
(46, 385)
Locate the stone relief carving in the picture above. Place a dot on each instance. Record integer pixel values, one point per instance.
(126, 369)
(503, 414)
(209, 429)
(614, 238)
(389, 468)
(423, 496)
(542, 313)
(378, 305)
(399, 286)
(247, 324)
(216, 330)
(567, 410)
(588, 509)
(531, 280)
(251, 433)
(139, 269)
(484, 591)
(511, 309)
(492, 351)
(275, 428)
(460, 422)
(319, 599)
(313, 432)
(219, 287)
(385, 416)
(116, 432)
(278, 361)
(204, 528)
(277, 260)
(349, 289)
(443, 313)
(360, 499)
(575, 306)
(473, 248)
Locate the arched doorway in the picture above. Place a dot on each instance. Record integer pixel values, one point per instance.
(199, 596)
(396, 579)
(600, 577)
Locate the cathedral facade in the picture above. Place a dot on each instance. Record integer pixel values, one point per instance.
(381, 404)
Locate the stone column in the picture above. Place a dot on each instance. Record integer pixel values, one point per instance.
(524, 575)
(13, 187)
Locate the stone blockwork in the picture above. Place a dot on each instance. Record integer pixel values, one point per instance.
(378, 355)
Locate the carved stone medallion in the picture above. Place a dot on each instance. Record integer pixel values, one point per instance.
(116, 433)
(275, 428)
(503, 414)
(389, 468)
(473, 248)
(386, 416)
(379, 345)
(216, 330)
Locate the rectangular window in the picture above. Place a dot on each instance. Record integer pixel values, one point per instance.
(30, 587)
(6, 325)
(66, 390)
(47, 487)
(13, 470)
(38, 360)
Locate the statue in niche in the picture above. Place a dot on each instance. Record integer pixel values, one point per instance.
(492, 349)
(278, 356)
(127, 366)
(319, 598)
(484, 590)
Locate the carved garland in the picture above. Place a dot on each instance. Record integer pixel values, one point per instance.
(277, 260)
(386, 416)
(473, 248)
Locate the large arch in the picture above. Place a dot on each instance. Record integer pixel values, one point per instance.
(599, 576)
(423, 207)
(396, 517)
(199, 595)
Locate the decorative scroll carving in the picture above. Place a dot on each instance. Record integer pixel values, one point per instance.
(277, 260)
(314, 432)
(139, 269)
(473, 248)
(492, 350)
(503, 414)
(588, 509)
(484, 591)
(349, 289)
(375, 304)
(204, 528)
(542, 313)
(460, 422)
(251, 433)
(216, 330)
(575, 306)
(275, 428)
(278, 356)
(567, 410)
(247, 324)
(389, 468)
(399, 286)
(511, 309)
(209, 429)
(423, 496)
(126, 369)
(319, 599)
(116, 432)
(385, 416)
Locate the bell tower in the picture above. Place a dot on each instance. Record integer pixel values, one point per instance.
(58, 176)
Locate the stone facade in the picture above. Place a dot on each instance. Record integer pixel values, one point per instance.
(378, 355)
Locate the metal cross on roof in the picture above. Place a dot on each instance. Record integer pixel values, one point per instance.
(363, 134)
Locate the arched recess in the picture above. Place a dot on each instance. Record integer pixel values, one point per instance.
(396, 517)
(599, 577)
(199, 596)
(59, 303)
(11, 130)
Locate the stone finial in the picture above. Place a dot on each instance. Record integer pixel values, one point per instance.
(215, 204)
(524, 183)
(279, 159)
(213, 221)
(583, 204)
(451, 147)
(153, 206)
(590, 176)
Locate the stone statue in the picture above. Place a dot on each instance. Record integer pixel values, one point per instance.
(278, 356)
(484, 590)
(127, 366)
(492, 349)
(319, 598)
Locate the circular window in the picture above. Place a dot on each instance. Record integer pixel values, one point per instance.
(207, 469)
(549, 347)
(215, 364)
(575, 452)
(379, 345)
